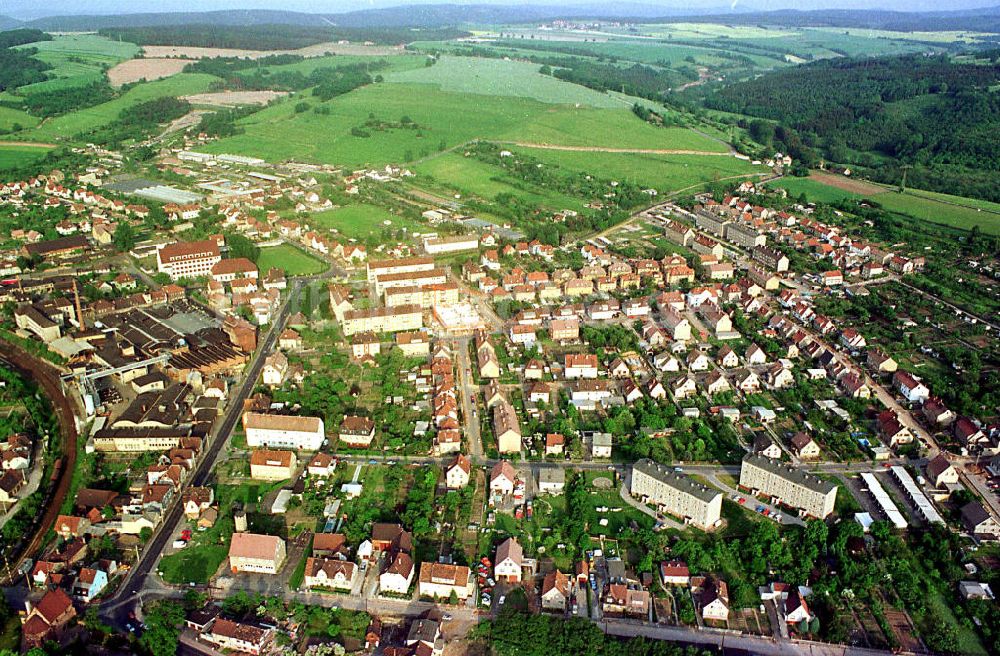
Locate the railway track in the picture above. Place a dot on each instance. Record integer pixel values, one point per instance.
(48, 380)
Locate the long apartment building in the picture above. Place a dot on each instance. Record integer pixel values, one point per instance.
(745, 236)
(433, 245)
(789, 485)
(188, 259)
(406, 265)
(676, 493)
(383, 320)
(410, 279)
(283, 432)
(711, 222)
(426, 296)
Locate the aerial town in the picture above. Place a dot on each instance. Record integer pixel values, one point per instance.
(731, 418)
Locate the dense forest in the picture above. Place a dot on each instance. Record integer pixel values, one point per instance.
(928, 112)
(268, 37)
(17, 65)
(68, 99)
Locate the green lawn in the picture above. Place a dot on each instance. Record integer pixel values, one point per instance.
(496, 77)
(664, 173)
(74, 123)
(12, 157)
(291, 259)
(361, 221)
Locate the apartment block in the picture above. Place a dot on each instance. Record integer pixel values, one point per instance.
(676, 493)
(789, 485)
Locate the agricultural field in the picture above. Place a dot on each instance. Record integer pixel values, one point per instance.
(290, 259)
(665, 173)
(135, 70)
(361, 221)
(70, 125)
(78, 59)
(12, 157)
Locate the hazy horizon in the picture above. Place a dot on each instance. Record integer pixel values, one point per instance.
(30, 9)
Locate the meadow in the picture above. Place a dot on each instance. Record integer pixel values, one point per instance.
(440, 120)
(496, 77)
(453, 172)
(953, 211)
(78, 59)
(70, 125)
(665, 173)
(10, 118)
(361, 221)
(12, 157)
(290, 259)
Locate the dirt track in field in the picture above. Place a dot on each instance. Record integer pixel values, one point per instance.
(847, 184)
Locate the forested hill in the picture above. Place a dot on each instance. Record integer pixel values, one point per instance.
(939, 115)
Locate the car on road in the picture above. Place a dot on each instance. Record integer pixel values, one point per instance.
(502, 599)
(446, 617)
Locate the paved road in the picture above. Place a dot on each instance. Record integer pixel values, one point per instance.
(751, 644)
(115, 608)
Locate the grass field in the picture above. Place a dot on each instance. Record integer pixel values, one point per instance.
(78, 59)
(71, 125)
(473, 177)
(292, 260)
(361, 221)
(306, 66)
(496, 77)
(10, 118)
(954, 211)
(665, 173)
(442, 118)
(16, 156)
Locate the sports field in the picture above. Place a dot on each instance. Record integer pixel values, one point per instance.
(361, 221)
(290, 259)
(12, 157)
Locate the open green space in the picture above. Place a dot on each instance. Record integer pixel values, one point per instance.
(10, 118)
(12, 157)
(364, 127)
(664, 173)
(496, 77)
(954, 211)
(361, 221)
(471, 176)
(70, 125)
(78, 59)
(291, 259)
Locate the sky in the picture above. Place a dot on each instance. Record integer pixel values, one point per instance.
(29, 9)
